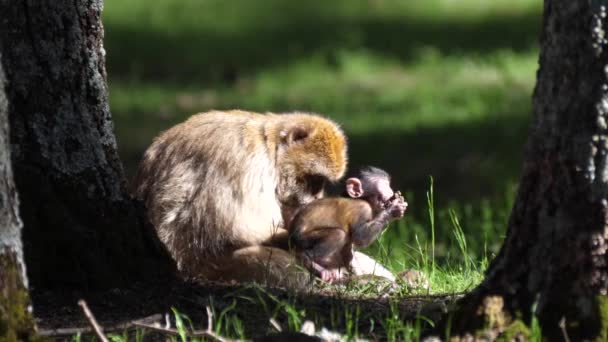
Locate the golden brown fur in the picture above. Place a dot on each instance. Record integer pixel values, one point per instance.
(335, 212)
(322, 230)
(220, 184)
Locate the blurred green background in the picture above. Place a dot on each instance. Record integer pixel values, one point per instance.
(422, 87)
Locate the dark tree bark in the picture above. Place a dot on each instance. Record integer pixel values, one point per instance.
(554, 255)
(16, 322)
(81, 229)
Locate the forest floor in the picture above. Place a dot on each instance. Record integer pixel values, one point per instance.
(239, 311)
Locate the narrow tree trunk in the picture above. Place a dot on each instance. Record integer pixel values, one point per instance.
(81, 229)
(554, 255)
(16, 322)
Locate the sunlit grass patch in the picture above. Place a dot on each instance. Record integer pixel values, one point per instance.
(363, 91)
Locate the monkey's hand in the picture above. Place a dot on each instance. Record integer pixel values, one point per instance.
(396, 206)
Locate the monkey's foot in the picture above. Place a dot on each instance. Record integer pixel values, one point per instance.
(333, 276)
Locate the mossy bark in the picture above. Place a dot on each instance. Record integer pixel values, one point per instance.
(81, 228)
(554, 256)
(16, 323)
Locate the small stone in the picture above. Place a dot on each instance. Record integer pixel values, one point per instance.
(414, 279)
(601, 122)
(308, 328)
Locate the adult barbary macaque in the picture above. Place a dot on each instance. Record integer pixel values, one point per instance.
(221, 184)
(325, 231)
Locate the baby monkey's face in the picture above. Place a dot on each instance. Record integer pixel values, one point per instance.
(381, 193)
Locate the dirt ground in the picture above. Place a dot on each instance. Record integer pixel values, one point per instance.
(59, 316)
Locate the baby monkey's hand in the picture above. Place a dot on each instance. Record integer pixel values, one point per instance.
(396, 205)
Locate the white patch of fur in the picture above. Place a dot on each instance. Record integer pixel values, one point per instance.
(364, 265)
(258, 220)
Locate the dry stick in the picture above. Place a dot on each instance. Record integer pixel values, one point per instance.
(167, 321)
(195, 333)
(149, 319)
(122, 326)
(210, 326)
(562, 325)
(275, 325)
(63, 332)
(209, 318)
(98, 330)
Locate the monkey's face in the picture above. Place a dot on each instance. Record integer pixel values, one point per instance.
(310, 151)
(301, 192)
(379, 193)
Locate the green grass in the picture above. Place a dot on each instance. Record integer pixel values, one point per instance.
(435, 87)
(343, 322)
(457, 273)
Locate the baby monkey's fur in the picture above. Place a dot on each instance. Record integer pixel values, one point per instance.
(325, 231)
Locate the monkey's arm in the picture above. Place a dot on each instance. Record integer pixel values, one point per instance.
(366, 231)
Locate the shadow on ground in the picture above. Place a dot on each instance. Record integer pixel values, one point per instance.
(58, 315)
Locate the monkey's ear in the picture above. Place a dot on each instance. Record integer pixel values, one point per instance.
(294, 134)
(354, 188)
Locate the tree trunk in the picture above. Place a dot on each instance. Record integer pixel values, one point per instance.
(16, 322)
(81, 228)
(554, 255)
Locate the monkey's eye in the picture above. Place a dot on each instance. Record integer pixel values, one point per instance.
(315, 184)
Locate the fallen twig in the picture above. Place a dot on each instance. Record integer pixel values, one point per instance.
(209, 318)
(562, 326)
(63, 332)
(86, 330)
(92, 321)
(194, 333)
(209, 331)
(275, 325)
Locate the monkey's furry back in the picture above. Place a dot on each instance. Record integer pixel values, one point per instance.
(216, 182)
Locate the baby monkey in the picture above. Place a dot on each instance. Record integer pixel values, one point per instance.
(325, 231)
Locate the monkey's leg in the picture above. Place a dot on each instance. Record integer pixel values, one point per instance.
(260, 264)
(321, 251)
(363, 264)
(324, 246)
(280, 239)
